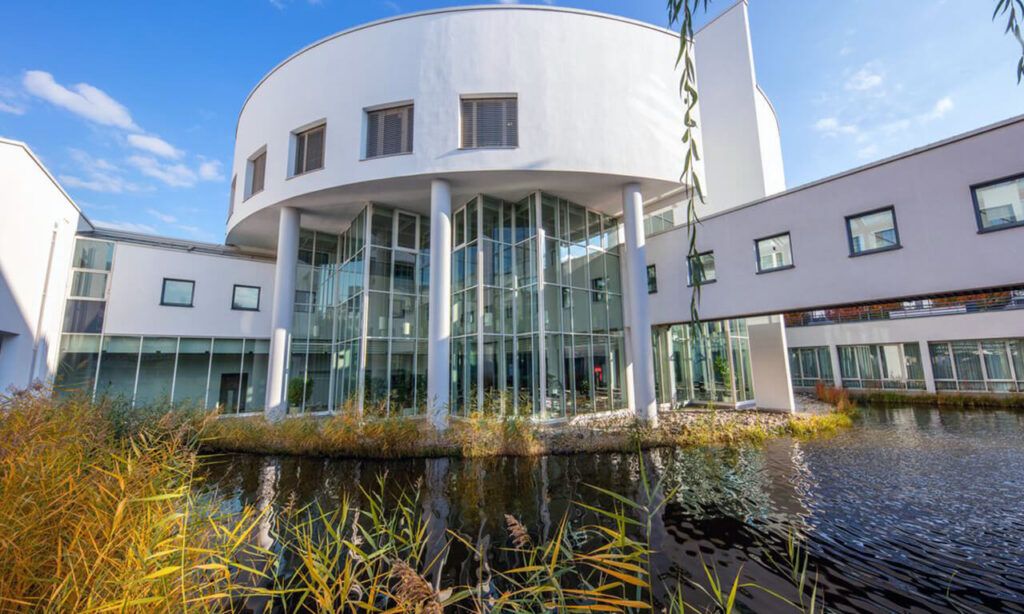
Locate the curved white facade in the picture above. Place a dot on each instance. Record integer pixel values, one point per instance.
(598, 106)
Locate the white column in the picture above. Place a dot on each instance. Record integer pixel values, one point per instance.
(646, 407)
(769, 363)
(926, 364)
(440, 296)
(283, 310)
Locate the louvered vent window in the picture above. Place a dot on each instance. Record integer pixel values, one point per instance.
(309, 150)
(490, 122)
(389, 131)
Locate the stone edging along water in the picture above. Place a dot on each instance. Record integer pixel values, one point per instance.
(347, 435)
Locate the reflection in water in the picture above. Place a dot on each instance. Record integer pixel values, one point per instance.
(912, 510)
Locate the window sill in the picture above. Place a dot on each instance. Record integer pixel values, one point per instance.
(303, 174)
(778, 268)
(702, 284)
(489, 147)
(163, 304)
(233, 308)
(394, 155)
(983, 231)
(260, 191)
(876, 251)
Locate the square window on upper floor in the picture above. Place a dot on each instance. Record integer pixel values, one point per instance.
(389, 131)
(999, 204)
(872, 231)
(490, 122)
(309, 150)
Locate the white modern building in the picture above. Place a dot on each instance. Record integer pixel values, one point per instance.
(424, 222)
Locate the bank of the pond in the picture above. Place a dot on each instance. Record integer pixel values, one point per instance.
(346, 435)
(946, 400)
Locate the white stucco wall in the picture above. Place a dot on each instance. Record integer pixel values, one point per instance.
(133, 306)
(739, 132)
(35, 214)
(597, 96)
(769, 365)
(942, 250)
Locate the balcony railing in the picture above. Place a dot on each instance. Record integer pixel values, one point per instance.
(940, 306)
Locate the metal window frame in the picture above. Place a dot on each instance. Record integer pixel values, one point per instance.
(163, 292)
(234, 297)
(757, 254)
(977, 208)
(895, 227)
(689, 269)
(407, 137)
(299, 136)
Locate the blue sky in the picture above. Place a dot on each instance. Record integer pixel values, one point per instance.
(133, 107)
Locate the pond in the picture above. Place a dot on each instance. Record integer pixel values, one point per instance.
(912, 510)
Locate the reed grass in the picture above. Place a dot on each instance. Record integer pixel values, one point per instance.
(104, 515)
(952, 400)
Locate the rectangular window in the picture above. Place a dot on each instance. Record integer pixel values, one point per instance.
(774, 253)
(389, 131)
(873, 231)
(490, 122)
(309, 150)
(999, 204)
(701, 269)
(89, 284)
(257, 172)
(95, 255)
(652, 279)
(246, 298)
(177, 292)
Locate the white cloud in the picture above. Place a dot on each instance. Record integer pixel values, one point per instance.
(85, 101)
(830, 126)
(10, 108)
(863, 79)
(174, 175)
(210, 170)
(98, 175)
(163, 217)
(845, 50)
(126, 226)
(941, 108)
(155, 145)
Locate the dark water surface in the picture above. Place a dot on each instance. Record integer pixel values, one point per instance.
(912, 510)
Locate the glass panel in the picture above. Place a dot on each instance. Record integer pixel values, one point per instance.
(460, 227)
(967, 358)
(318, 377)
(192, 372)
(942, 362)
(872, 231)
(405, 272)
(491, 218)
(156, 370)
(89, 285)
(376, 380)
(246, 298)
(380, 269)
(583, 368)
(1001, 204)
(912, 356)
(1017, 354)
(554, 403)
(254, 394)
(377, 315)
(997, 361)
(226, 377)
(403, 316)
(96, 255)
(84, 316)
(602, 376)
(406, 231)
(380, 228)
(825, 364)
(403, 386)
(76, 367)
(177, 292)
(118, 363)
(471, 220)
(774, 253)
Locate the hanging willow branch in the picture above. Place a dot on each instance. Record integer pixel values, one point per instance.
(1015, 8)
(681, 12)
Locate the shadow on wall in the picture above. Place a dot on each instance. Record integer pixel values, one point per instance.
(16, 335)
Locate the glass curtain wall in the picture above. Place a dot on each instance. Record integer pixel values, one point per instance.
(709, 362)
(535, 335)
(883, 366)
(808, 366)
(227, 374)
(360, 328)
(989, 365)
